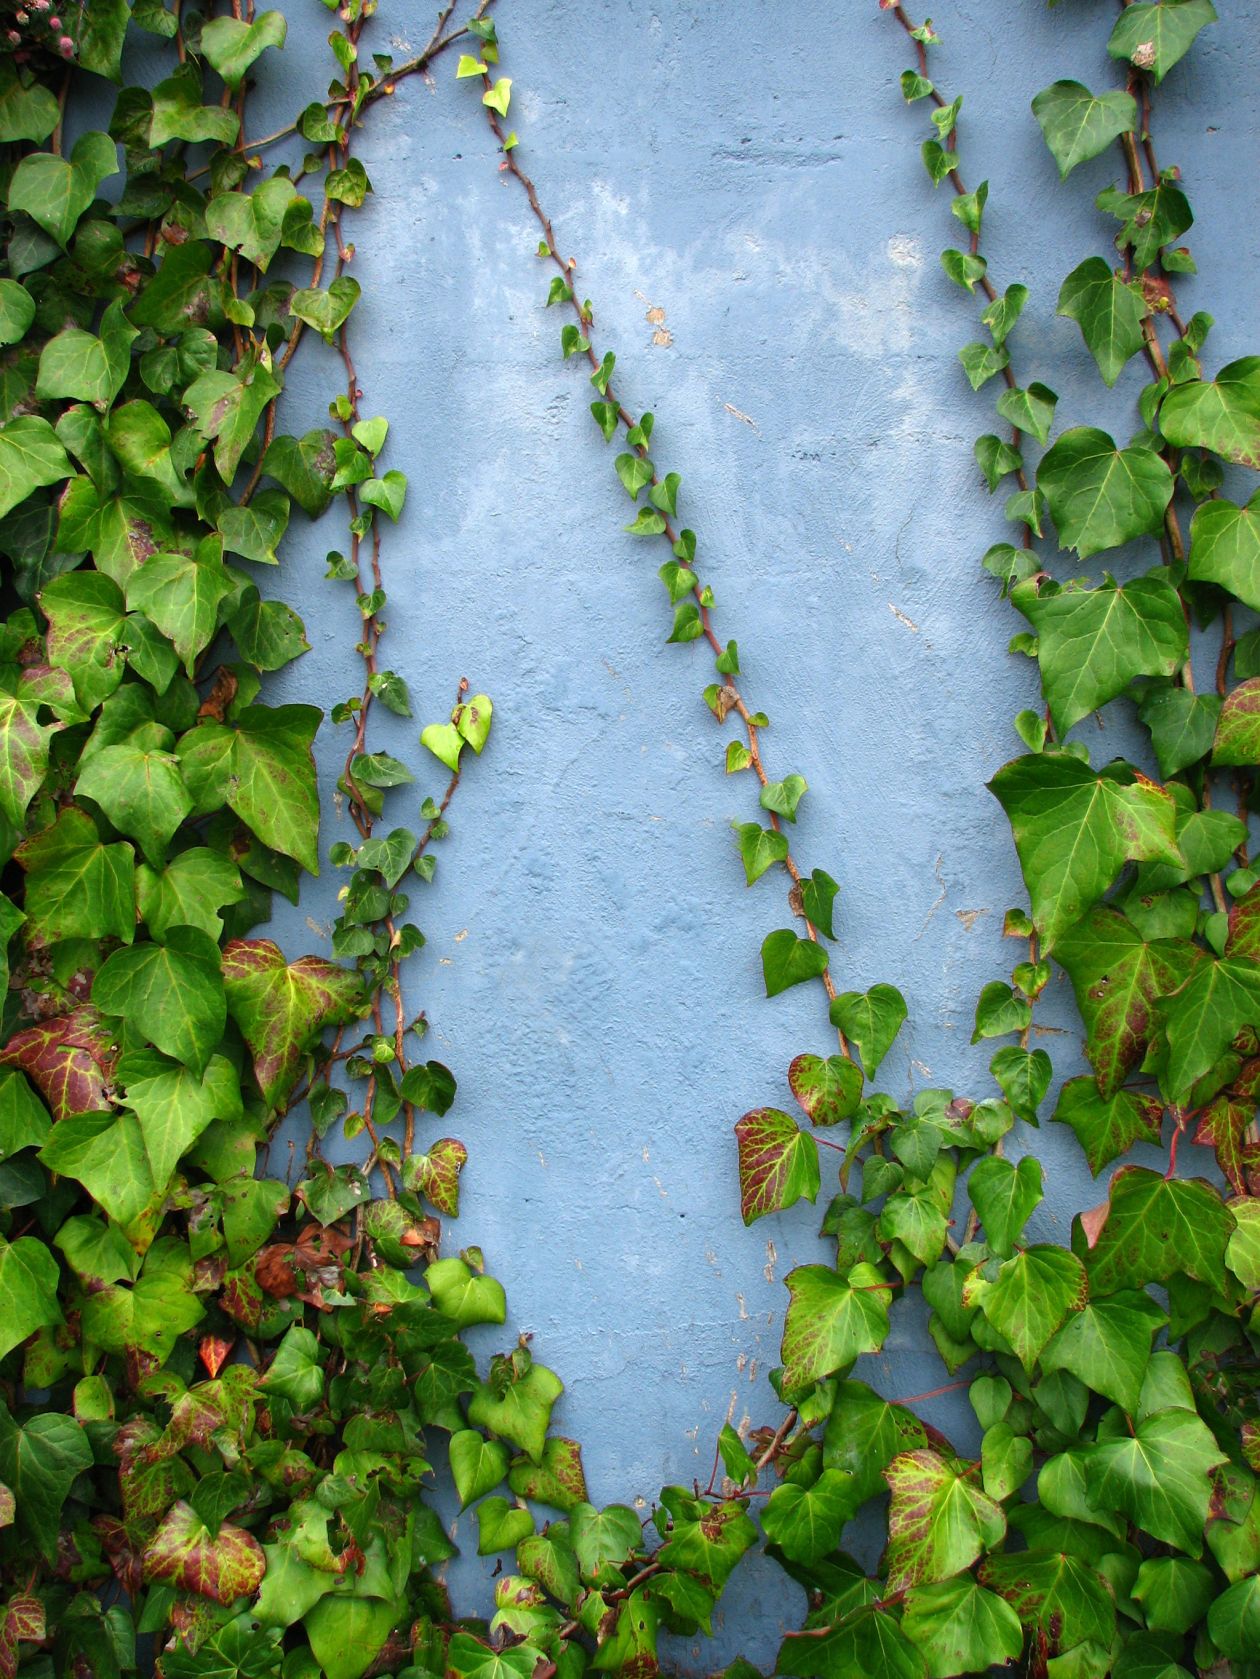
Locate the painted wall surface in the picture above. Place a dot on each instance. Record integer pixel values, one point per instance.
(741, 187)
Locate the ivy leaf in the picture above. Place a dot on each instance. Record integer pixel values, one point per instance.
(938, 1522)
(1078, 126)
(263, 768)
(1107, 1126)
(557, 1479)
(870, 1020)
(1005, 1197)
(70, 1060)
(865, 1643)
(1058, 1597)
(466, 1658)
(55, 192)
(501, 1526)
(1152, 1228)
(711, 1545)
(189, 892)
(865, 1432)
(805, 1522)
(521, 1413)
(1160, 1477)
(1109, 312)
(39, 1461)
(29, 1275)
(1222, 414)
(27, 111)
(326, 309)
(79, 366)
(1202, 1018)
(1107, 1345)
(760, 848)
(1101, 496)
(778, 1163)
(222, 1567)
(1074, 830)
(231, 47)
(1030, 1297)
(174, 1106)
(387, 493)
(142, 792)
(268, 633)
(228, 406)
(1234, 1619)
(30, 457)
(1117, 977)
(1225, 548)
(77, 888)
(1182, 725)
(170, 994)
(829, 1090)
(151, 1317)
(831, 1321)
(178, 114)
(87, 629)
(435, 1174)
(477, 1464)
(1238, 726)
(282, 1008)
(254, 531)
(961, 1628)
(787, 960)
(1155, 37)
(252, 223)
(1093, 642)
(783, 797)
(305, 466)
(1030, 410)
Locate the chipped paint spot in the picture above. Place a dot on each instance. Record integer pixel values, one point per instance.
(940, 897)
(740, 415)
(772, 1259)
(904, 251)
(461, 936)
(741, 1363)
(743, 1308)
(752, 1371)
(969, 917)
(901, 618)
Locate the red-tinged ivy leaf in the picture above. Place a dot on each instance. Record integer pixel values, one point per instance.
(1117, 976)
(939, 1521)
(1107, 1126)
(467, 1658)
(22, 1621)
(1152, 1228)
(1075, 829)
(23, 755)
(435, 1174)
(1031, 1296)
(1058, 1598)
(1223, 1127)
(1204, 1016)
(1238, 727)
(558, 1479)
(831, 1321)
(281, 1008)
(70, 1060)
(778, 1163)
(222, 1566)
(865, 1643)
(1160, 1476)
(829, 1090)
(8, 1506)
(1244, 927)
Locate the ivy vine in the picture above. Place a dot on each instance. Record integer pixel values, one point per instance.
(222, 1395)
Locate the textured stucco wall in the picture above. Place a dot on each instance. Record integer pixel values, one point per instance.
(592, 968)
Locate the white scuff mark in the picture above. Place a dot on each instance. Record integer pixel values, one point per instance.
(901, 618)
(903, 250)
(752, 1371)
(541, 1158)
(320, 931)
(743, 1307)
(922, 1068)
(741, 1363)
(969, 917)
(940, 899)
(646, 1156)
(461, 936)
(772, 1260)
(730, 1409)
(444, 961)
(740, 415)
(661, 1187)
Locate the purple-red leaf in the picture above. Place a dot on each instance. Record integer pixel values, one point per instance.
(223, 1566)
(70, 1059)
(778, 1163)
(283, 1007)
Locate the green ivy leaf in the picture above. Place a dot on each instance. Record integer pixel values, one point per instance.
(263, 769)
(227, 407)
(1109, 312)
(1225, 548)
(189, 892)
(1093, 642)
(787, 961)
(1107, 1126)
(140, 789)
(29, 1275)
(1031, 1296)
(867, 1641)
(831, 1321)
(829, 1091)
(760, 848)
(1057, 1596)
(805, 1522)
(778, 1163)
(30, 457)
(253, 223)
(961, 1628)
(80, 366)
(1204, 1015)
(28, 111)
(1160, 1477)
(1077, 125)
(871, 1020)
(1234, 1619)
(1030, 410)
(55, 192)
(170, 994)
(39, 1461)
(77, 887)
(1101, 496)
(1155, 37)
(231, 46)
(1005, 1196)
(783, 797)
(938, 1522)
(1107, 1345)
(1074, 830)
(521, 1413)
(1221, 414)
(387, 493)
(305, 467)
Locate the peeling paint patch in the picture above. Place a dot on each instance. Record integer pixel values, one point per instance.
(969, 917)
(740, 415)
(772, 1259)
(901, 618)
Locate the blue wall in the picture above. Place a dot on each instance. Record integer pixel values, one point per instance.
(592, 969)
